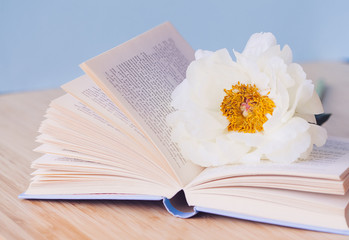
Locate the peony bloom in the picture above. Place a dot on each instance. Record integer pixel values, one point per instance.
(260, 106)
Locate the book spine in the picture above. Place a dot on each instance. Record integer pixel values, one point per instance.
(178, 206)
(176, 212)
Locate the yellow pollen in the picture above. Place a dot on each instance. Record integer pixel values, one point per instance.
(246, 108)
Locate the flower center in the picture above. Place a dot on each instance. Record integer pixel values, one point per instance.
(246, 108)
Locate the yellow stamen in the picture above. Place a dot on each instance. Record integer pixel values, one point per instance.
(246, 108)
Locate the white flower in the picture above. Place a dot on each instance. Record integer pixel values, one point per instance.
(262, 71)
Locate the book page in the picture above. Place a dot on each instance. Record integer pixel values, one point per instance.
(78, 127)
(328, 162)
(281, 206)
(76, 176)
(84, 89)
(139, 77)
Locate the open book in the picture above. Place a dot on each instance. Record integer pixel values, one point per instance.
(107, 138)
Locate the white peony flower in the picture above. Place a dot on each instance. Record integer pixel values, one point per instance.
(260, 106)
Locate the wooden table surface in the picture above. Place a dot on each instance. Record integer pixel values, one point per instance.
(20, 116)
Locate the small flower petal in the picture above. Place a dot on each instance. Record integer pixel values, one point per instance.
(259, 43)
(292, 150)
(286, 54)
(311, 106)
(202, 53)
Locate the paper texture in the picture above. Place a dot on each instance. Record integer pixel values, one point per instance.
(84, 89)
(139, 76)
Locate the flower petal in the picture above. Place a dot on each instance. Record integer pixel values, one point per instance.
(252, 157)
(291, 151)
(259, 43)
(209, 76)
(181, 95)
(312, 106)
(231, 151)
(318, 135)
(286, 54)
(202, 53)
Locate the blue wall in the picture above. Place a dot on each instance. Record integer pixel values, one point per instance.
(42, 42)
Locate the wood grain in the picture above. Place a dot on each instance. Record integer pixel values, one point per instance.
(20, 117)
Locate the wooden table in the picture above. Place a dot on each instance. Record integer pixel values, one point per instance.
(20, 116)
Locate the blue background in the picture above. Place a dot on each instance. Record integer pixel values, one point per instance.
(43, 42)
